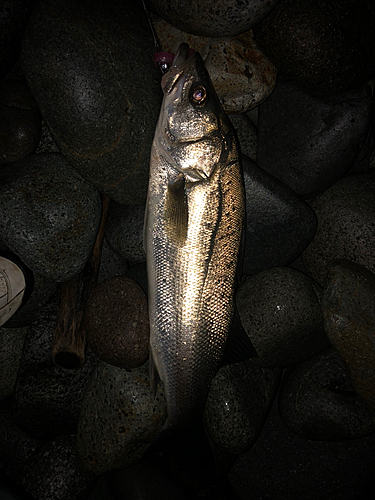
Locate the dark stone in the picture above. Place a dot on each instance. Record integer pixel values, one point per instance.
(120, 418)
(111, 264)
(56, 472)
(280, 311)
(20, 120)
(49, 215)
(124, 231)
(89, 67)
(284, 466)
(346, 225)
(317, 400)
(279, 224)
(309, 142)
(349, 316)
(46, 143)
(247, 134)
(116, 322)
(11, 347)
(48, 398)
(326, 46)
(222, 19)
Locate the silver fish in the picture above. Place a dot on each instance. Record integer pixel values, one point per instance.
(193, 225)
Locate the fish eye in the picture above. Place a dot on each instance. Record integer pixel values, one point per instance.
(199, 95)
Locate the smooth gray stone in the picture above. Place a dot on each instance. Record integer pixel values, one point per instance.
(119, 418)
(246, 133)
(317, 400)
(348, 304)
(49, 215)
(124, 231)
(240, 397)
(227, 18)
(11, 346)
(284, 466)
(279, 224)
(309, 142)
(47, 398)
(280, 311)
(346, 225)
(56, 472)
(89, 67)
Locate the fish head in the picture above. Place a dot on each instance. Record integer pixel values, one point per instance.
(193, 131)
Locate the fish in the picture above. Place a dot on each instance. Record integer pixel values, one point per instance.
(193, 226)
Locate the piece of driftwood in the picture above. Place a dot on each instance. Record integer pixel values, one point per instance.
(69, 342)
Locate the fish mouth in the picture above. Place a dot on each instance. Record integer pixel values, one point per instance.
(183, 58)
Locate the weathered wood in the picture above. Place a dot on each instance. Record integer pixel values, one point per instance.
(69, 343)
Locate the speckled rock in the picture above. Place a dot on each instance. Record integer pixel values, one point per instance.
(227, 18)
(111, 264)
(49, 215)
(11, 347)
(20, 120)
(242, 76)
(119, 418)
(89, 67)
(124, 231)
(349, 317)
(240, 397)
(309, 142)
(246, 133)
(272, 210)
(317, 400)
(326, 46)
(284, 466)
(55, 472)
(48, 398)
(116, 322)
(346, 225)
(280, 311)
(46, 143)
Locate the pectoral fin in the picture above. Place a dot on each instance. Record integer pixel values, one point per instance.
(176, 210)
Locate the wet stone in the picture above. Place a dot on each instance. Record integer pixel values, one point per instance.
(318, 401)
(349, 316)
(242, 76)
(119, 418)
(227, 18)
(20, 120)
(124, 231)
(273, 209)
(48, 398)
(55, 472)
(79, 61)
(346, 225)
(247, 134)
(116, 322)
(11, 347)
(280, 311)
(49, 215)
(325, 46)
(240, 397)
(315, 140)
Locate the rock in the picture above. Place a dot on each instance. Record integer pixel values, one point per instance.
(111, 264)
(101, 491)
(49, 215)
(46, 143)
(242, 76)
(55, 472)
(280, 311)
(48, 398)
(326, 46)
(116, 322)
(246, 133)
(284, 466)
(346, 225)
(348, 304)
(317, 400)
(315, 140)
(20, 121)
(79, 61)
(227, 18)
(124, 231)
(272, 210)
(119, 418)
(11, 347)
(240, 397)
